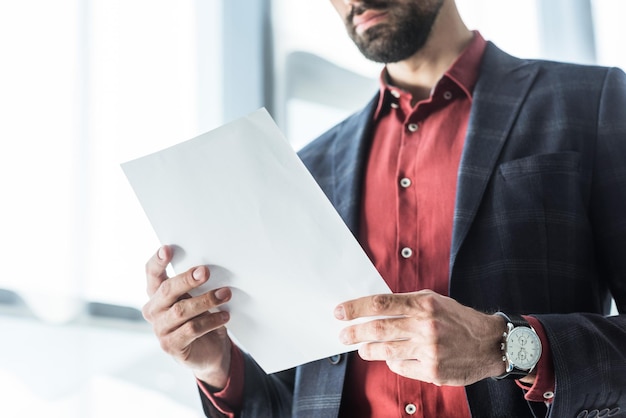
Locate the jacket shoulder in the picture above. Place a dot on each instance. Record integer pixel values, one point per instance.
(316, 155)
(496, 61)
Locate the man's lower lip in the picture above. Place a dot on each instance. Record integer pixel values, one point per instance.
(363, 24)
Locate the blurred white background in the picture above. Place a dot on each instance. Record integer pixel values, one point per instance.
(88, 84)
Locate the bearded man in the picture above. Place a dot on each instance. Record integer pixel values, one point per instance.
(490, 193)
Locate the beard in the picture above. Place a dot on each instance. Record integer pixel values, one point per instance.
(405, 32)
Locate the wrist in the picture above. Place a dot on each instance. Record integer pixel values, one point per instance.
(494, 364)
(216, 375)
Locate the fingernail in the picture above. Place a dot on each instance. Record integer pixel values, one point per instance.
(225, 316)
(222, 294)
(340, 312)
(343, 337)
(161, 254)
(197, 273)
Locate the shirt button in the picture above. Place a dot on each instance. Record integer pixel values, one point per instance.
(405, 182)
(410, 409)
(395, 93)
(395, 105)
(334, 360)
(412, 127)
(548, 395)
(406, 252)
(447, 95)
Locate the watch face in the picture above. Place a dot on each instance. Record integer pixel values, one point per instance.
(523, 348)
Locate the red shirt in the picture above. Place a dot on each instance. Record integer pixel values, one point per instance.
(406, 229)
(406, 224)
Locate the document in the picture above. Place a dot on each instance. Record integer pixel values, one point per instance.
(239, 200)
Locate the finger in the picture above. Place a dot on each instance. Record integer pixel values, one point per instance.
(175, 288)
(180, 338)
(396, 304)
(187, 308)
(388, 351)
(155, 269)
(378, 330)
(166, 317)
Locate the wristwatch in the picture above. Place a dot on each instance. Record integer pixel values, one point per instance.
(521, 347)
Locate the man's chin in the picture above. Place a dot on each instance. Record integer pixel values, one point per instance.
(382, 55)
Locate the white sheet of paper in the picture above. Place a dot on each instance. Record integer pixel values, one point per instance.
(239, 200)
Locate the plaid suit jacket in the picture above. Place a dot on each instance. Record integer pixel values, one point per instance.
(539, 228)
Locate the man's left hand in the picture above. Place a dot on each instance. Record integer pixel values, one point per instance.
(426, 336)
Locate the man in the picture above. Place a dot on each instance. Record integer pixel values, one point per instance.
(490, 193)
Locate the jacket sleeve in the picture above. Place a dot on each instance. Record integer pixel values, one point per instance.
(589, 350)
(263, 396)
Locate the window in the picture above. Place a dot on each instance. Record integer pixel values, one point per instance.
(88, 85)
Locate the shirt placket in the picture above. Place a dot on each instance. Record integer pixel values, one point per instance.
(408, 234)
(407, 246)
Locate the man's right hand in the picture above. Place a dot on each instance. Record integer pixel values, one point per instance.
(183, 324)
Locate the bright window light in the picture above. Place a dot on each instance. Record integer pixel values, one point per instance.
(86, 86)
(610, 31)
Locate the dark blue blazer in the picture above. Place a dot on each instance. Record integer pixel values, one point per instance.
(539, 228)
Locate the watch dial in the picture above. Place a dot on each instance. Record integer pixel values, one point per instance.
(523, 348)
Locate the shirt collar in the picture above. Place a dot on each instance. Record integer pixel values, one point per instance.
(463, 72)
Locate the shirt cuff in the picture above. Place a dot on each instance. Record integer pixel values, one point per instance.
(542, 389)
(230, 399)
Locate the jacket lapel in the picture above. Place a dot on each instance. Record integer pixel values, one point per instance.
(349, 158)
(498, 96)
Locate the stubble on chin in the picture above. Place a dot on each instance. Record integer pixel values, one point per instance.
(405, 31)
